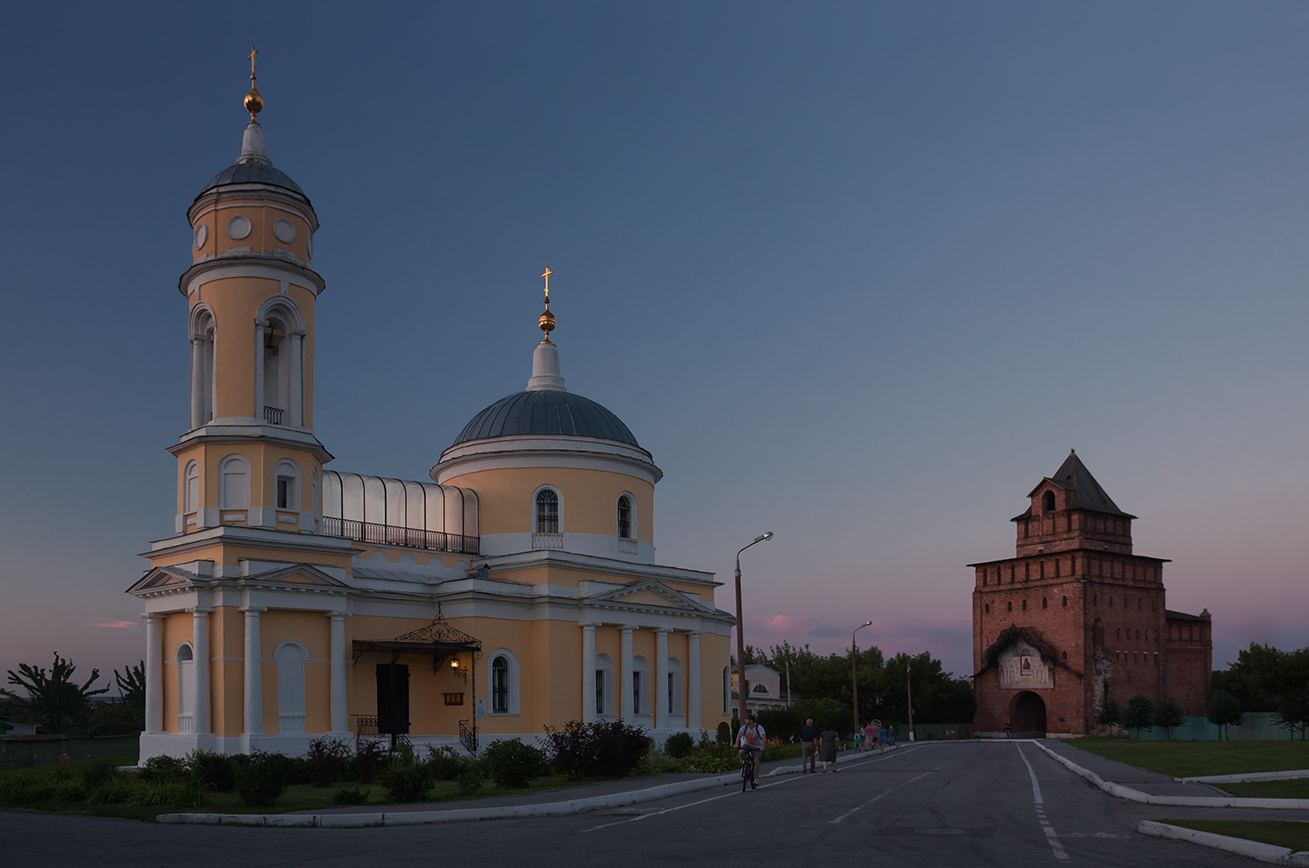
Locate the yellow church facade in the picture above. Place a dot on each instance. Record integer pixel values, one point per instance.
(515, 589)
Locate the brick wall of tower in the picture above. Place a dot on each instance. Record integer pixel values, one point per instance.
(1189, 655)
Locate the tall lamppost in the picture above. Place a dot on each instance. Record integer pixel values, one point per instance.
(741, 685)
(854, 671)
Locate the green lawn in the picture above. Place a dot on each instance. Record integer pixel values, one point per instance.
(1297, 789)
(1279, 833)
(1185, 759)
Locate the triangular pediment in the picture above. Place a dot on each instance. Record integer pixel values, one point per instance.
(296, 574)
(651, 593)
(163, 577)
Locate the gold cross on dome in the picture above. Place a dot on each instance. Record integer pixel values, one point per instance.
(547, 274)
(253, 52)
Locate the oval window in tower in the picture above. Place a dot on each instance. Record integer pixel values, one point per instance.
(201, 235)
(284, 231)
(238, 227)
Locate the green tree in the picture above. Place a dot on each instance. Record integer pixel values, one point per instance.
(1109, 714)
(1293, 711)
(1223, 710)
(1139, 713)
(131, 685)
(53, 697)
(1168, 714)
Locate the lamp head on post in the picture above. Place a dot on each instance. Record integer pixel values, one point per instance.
(743, 685)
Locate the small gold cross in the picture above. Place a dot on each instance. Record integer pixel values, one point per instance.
(547, 274)
(253, 52)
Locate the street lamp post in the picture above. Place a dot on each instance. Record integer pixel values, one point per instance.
(741, 685)
(854, 671)
(909, 693)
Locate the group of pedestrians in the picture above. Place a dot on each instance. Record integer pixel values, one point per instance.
(815, 745)
(875, 736)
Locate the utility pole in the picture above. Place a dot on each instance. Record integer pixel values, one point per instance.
(854, 670)
(909, 689)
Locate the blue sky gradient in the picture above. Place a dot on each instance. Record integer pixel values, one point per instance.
(860, 274)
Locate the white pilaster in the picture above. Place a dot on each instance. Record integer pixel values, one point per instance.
(197, 381)
(339, 708)
(200, 650)
(296, 411)
(254, 689)
(625, 691)
(693, 681)
(259, 370)
(661, 679)
(154, 674)
(588, 673)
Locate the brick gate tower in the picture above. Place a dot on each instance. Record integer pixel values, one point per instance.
(1076, 616)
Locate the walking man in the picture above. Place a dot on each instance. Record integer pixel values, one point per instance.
(808, 747)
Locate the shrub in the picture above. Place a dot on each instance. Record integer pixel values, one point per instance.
(1223, 710)
(261, 779)
(406, 779)
(679, 745)
(370, 759)
(708, 764)
(510, 763)
(1168, 714)
(354, 796)
(116, 790)
(604, 748)
(1139, 714)
(325, 759)
(212, 769)
(657, 762)
(162, 769)
(445, 763)
(98, 773)
(155, 793)
(470, 782)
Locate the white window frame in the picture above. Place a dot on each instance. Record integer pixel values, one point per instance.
(631, 516)
(185, 687)
(675, 686)
(512, 660)
(191, 488)
(291, 699)
(290, 471)
(604, 668)
(228, 499)
(640, 678)
(559, 525)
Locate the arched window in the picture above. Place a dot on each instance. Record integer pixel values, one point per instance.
(1065, 601)
(504, 682)
(624, 517)
(202, 365)
(1024, 605)
(1047, 502)
(287, 486)
(604, 684)
(280, 376)
(988, 608)
(547, 511)
(760, 687)
(1011, 605)
(191, 488)
(290, 657)
(185, 688)
(233, 483)
(1045, 604)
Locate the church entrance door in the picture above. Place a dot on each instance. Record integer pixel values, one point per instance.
(1027, 713)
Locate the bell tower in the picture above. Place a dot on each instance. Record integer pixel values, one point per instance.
(249, 456)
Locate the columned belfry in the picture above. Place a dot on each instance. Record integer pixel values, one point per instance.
(1077, 616)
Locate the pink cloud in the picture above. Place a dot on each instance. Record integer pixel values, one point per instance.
(118, 625)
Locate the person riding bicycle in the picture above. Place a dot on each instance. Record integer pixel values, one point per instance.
(750, 737)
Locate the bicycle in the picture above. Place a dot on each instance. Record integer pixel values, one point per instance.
(747, 772)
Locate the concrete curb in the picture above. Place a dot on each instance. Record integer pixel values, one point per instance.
(1240, 846)
(1130, 794)
(1249, 776)
(456, 815)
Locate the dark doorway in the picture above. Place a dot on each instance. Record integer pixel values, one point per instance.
(1028, 715)
(393, 699)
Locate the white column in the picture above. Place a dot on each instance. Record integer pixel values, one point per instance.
(154, 674)
(197, 381)
(297, 408)
(200, 650)
(259, 370)
(693, 682)
(661, 679)
(588, 673)
(339, 708)
(625, 691)
(254, 695)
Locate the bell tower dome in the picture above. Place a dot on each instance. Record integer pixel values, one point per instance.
(249, 455)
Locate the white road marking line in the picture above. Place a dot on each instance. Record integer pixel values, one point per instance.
(861, 760)
(875, 798)
(1059, 852)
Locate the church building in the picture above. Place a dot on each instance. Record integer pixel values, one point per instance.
(516, 588)
(1077, 617)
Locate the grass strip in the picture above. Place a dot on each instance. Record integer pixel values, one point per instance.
(1279, 833)
(1297, 789)
(1185, 759)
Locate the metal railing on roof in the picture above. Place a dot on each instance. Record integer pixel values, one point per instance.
(385, 534)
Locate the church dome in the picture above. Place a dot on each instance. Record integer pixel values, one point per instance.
(546, 412)
(254, 173)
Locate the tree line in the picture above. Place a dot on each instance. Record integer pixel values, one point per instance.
(56, 701)
(823, 687)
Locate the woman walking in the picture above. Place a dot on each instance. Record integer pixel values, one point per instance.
(827, 753)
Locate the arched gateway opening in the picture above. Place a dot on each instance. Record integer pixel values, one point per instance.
(1027, 715)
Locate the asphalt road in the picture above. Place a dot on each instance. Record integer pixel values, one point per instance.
(1003, 804)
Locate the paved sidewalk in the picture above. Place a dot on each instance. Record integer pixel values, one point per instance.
(1129, 776)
